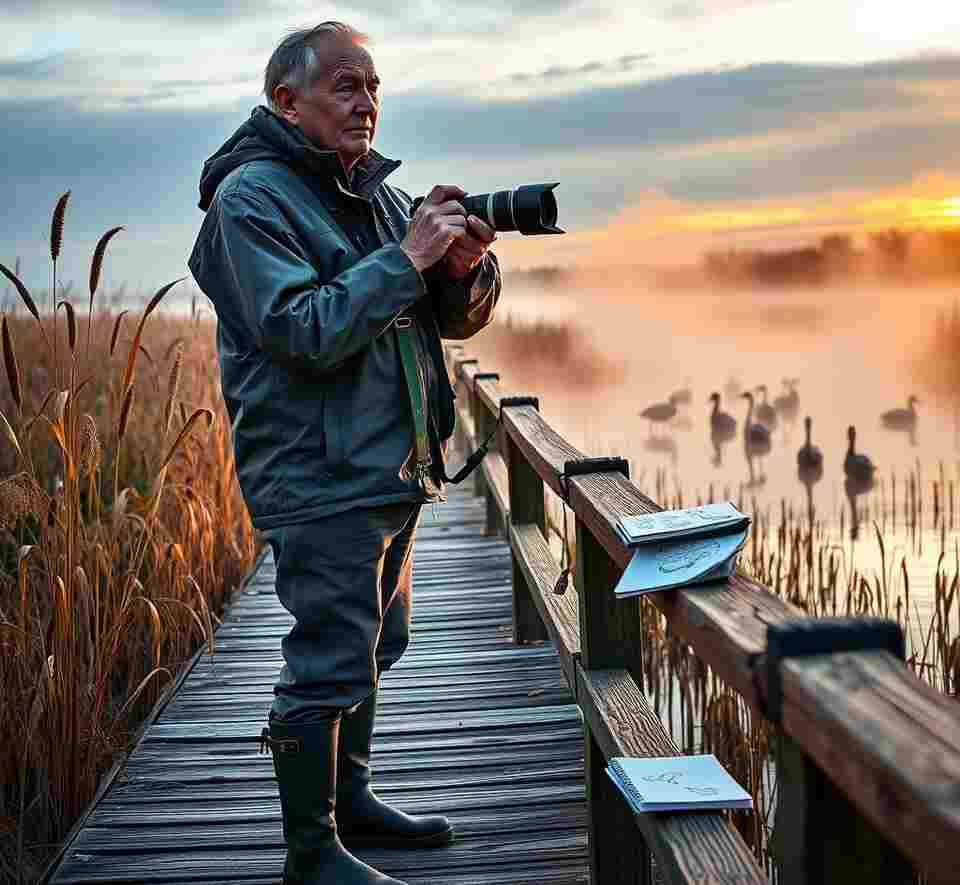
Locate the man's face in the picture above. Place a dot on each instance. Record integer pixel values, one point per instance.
(339, 111)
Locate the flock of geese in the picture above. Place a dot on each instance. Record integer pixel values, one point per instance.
(763, 417)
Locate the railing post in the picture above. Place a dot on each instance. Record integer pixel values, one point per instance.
(820, 836)
(526, 506)
(462, 439)
(484, 422)
(610, 638)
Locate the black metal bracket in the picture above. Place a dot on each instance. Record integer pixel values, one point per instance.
(484, 376)
(581, 466)
(816, 636)
(508, 401)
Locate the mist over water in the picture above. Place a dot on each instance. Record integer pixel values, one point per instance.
(856, 351)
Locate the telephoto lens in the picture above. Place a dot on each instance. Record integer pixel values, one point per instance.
(530, 209)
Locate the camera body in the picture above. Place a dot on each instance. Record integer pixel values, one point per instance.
(530, 209)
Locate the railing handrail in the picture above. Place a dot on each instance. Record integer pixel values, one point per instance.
(856, 717)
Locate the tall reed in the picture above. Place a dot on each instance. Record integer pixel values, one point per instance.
(122, 531)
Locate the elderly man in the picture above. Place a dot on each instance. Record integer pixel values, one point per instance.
(331, 302)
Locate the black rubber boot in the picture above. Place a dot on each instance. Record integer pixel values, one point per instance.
(305, 762)
(362, 819)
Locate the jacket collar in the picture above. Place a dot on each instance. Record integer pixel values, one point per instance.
(368, 172)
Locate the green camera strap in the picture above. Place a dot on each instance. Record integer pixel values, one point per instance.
(405, 332)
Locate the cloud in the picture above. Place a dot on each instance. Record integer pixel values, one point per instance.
(714, 137)
(686, 10)
(200, 10)
(556, 72)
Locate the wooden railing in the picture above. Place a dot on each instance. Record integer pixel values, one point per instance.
(868, 764)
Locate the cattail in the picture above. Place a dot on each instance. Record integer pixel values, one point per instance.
(56, 227)
(125, 412)
(97, 263)
(89, 445)
(116, 330)
(10, 361)
(173, 387)
(71, 323)
(22, 290)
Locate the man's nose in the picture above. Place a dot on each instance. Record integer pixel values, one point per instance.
(365, 102)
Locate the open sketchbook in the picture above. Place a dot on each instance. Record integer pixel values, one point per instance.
(668, 564)
(677, 783)
(692, 522)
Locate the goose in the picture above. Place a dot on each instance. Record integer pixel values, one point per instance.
(901, 419)
(722, 425)
(856, 466)
(659, 412)
(809, 458)
(683, 396)
(732, 389)
(787, 405)
(766, 414)
(756, 437)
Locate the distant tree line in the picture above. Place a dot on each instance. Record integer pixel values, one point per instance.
(892, 252)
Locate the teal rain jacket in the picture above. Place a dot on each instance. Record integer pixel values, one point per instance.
(306, 274)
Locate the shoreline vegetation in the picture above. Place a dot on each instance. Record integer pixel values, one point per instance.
(123, 532)
(904, 256)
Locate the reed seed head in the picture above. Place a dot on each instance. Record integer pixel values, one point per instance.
(13, 371)
(89, 445)
(125, 412)
(20, 496)
(56, 226)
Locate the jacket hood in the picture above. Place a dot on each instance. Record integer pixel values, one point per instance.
(267, 136)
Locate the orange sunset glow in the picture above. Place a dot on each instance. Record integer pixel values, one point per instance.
(656, 229)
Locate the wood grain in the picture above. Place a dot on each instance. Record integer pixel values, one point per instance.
(890, 742)
(689, 847)
(560, 614)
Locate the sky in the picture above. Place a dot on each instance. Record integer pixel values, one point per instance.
(673, 126)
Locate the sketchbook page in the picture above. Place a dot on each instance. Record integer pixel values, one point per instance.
(668, 564)
(649, 527)
(677, 783)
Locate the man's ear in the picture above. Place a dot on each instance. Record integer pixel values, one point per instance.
(283, 99)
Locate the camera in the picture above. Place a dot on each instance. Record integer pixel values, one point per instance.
(530, 209)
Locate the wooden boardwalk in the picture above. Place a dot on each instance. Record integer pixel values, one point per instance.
(470, 726)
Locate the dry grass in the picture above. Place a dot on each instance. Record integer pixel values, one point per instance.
(121, 531)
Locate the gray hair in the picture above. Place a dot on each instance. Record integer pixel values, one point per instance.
(294, 62)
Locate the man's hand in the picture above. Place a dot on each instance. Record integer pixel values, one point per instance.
(435, 225)
(466, 250)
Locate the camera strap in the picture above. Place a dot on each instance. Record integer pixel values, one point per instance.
(403, 327)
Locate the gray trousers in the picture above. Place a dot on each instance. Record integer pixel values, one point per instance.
(347, 579)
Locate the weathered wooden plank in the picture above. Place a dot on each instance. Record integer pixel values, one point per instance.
(450, 702)
(503, 849)
(151, 757)
(258, 802)
(890, 742)
(692, 847)
(560, 873)
(494, 471)
(389, 726)
(527, 506)
(560, 614)
(211, 832)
